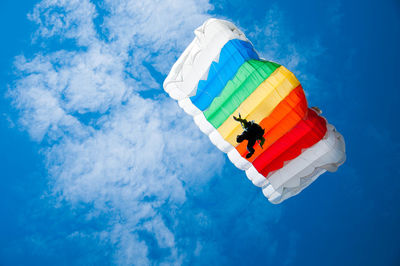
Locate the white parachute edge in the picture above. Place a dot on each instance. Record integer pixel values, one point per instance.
(195, 61)
(326, 155)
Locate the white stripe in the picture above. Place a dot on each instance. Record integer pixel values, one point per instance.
(326, 155)
(193, 65)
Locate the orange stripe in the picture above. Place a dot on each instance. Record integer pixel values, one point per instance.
(283, 118)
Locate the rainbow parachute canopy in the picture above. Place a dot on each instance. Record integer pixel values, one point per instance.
(220, 75)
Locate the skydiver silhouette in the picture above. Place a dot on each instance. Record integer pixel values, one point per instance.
(252, 132)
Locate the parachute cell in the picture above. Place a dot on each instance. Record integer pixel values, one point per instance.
(219, 75)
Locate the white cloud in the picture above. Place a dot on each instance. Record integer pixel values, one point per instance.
(66, 19)
(104, 144)
(155, 30)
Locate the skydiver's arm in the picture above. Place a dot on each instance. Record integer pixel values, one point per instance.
(243, 122)
(240, 119)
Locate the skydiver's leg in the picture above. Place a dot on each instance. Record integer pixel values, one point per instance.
(241, 137)
(250, 148)
(262, 140)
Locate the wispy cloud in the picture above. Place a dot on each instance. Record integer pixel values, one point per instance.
(104, 144)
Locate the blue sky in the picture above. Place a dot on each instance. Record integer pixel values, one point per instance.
(99, 166)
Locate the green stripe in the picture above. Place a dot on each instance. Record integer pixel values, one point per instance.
(249, 76)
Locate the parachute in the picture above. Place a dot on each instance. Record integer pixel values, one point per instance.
(220, 75)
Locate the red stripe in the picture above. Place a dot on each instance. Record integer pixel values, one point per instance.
(305, 134)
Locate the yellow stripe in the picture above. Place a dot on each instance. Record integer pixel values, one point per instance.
(261, 102)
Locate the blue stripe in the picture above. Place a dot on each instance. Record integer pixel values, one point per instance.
(232, 56)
